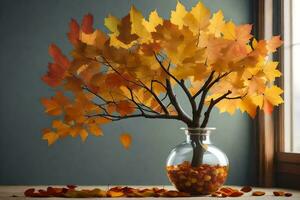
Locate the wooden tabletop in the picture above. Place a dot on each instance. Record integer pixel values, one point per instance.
(16, 193)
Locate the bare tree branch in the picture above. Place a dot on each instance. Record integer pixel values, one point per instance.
(207, 82)
(210, 107)
(175, 103)
(118, 117)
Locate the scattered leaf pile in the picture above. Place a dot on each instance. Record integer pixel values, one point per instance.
(203, 179)
(231, 192)
(282, 193)
(70, 191)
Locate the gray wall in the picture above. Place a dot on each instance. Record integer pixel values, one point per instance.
(27, 27)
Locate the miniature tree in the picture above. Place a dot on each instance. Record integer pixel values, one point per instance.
(132, 72)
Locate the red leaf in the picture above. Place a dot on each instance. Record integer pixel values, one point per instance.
(87, 24)
(73, 35)
(29, 192)
(58, 57)
(57, 70)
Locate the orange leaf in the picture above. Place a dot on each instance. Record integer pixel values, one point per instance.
(125, 108)
(83, 134)
(125, 139)
(273, 44)
(87, 24)
(95, 130)
(114, 80)
(258, 193)
(54, 105)
(51, 106)
(50, 136)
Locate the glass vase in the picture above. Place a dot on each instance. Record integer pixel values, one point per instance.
(196, 166)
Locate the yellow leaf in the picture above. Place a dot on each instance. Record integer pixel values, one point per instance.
(258, 100)
(198, 18)
(272, 94)
(249, 106)
(50, 136)
(228, 31)
(225, 105)
(256, 85)
(125, 140)
(137, 25)
(111, 22)
(178, 15)
(154, 20)
(83, 134)
(216, 23)
(270, 71)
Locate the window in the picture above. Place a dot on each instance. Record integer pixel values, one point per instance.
(287, 120)
(292, 75)
(278, 137)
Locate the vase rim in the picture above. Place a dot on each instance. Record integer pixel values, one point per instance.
(198, 129)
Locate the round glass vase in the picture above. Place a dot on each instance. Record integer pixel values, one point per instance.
(196, 166)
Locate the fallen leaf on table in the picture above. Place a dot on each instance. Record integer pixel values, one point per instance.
(258, 193)
(246, 189)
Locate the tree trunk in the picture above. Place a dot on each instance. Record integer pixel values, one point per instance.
(198, 150)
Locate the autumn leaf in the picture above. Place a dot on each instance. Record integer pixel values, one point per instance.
(270, 71)
(137, 24)
(125, 34)
(216, 23)
(57, 70)
(111, 22)
(247, 105)
(58, 57)
(55, 105)
(272, 94)
(198, 18)
(83, 134)
(87, 24)
(178, 14)
(50, 136)
(97, 38)
(273, 44)
(51, 106)
(272, 98)
(73, 35)
(125, 140)
(125, 108)
(95, 130)
(154, 20)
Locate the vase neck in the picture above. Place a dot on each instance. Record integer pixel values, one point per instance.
(202, 135)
